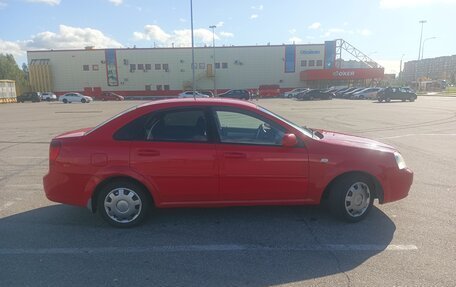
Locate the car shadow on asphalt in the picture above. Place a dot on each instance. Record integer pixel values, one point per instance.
(255, 246)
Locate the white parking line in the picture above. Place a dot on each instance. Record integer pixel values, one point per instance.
(206, 248)
(6, 205)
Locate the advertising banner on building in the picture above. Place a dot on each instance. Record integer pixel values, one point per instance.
(111, 67)
(330, 54)
(342, 74)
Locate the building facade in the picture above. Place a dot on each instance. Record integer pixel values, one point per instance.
(168, 71)
(441, 68)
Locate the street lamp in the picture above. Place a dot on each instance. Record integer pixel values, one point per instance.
(400, 68)
(422, 22)
(193, 49)
(422, 48)
(213, 56)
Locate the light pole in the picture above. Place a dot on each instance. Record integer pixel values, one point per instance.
(422, 22)
(213, 56)
(400, 69)
(424, 42)
(193, 49)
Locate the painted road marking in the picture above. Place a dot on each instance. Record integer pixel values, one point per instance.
(206, 248)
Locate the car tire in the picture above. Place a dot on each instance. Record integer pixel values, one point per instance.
(387, 100)
(65, 101)
(411, 99)
(48, 99)
(123, 203)
(351, 198)
(83, 101)
(379, 100)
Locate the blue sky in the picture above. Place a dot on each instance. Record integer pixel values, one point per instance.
(383, 29)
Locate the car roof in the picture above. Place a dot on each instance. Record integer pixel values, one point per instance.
(202, 101)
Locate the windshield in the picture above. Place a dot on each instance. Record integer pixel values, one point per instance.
(306, 131)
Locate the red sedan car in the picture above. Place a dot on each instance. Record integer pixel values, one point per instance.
(218, 152)
(109, 96)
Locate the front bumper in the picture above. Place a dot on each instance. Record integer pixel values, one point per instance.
(398, 185)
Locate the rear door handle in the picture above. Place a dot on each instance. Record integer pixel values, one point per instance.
(148, 152)
(235, 155)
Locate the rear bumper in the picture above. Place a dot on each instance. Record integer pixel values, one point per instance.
(398, 185)
(62, 188)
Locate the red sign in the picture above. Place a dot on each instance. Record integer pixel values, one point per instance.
(342, 74)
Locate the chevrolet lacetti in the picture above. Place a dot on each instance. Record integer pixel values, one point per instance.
(214, 153)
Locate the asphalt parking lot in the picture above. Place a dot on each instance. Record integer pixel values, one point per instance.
(406, 243)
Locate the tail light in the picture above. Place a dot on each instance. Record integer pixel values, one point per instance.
(54, 150)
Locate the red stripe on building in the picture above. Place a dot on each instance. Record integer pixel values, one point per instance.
(342, 74)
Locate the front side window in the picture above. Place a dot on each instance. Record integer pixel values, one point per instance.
(245, 128)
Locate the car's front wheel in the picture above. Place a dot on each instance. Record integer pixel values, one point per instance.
(351, 198)
(65, 101)
(123, 203)
(83, 101)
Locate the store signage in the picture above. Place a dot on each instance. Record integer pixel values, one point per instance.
(309, 52)
(344, 73)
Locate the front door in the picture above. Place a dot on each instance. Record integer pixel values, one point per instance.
(254, 166)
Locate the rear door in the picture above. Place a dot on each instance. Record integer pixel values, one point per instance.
(178, 156)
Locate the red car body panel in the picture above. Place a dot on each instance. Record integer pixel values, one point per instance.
(215, 174)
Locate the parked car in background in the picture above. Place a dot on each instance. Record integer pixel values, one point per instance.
(393, 93)
(315, 94)
(236, 94)
(110, 96)
(190, 94)
(48, 96)
(75, 98)
(294, 92)
(368, 93)
(348, 94)
(207, 93)
(29, 97)
(162, 154)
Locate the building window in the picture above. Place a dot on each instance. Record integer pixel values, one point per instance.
(165, 67)
(148, 67)
(157, 66)
(319, 63)
(148, 88)
(140, 66)
(85, 67)
(159, 87)
(132, 67)
(311, 63)
(202, 66)
(224, 65)
(94, 67)
(217, 65)
(166, 87)
(303, 63)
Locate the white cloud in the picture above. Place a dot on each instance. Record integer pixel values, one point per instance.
(178, 38)
(364, 32)
(396, 4)
(48, 2)
(182, 20)
(226, 34)
(9, 47)
(314, 26)
(254, 16)
(116, 2)
(295, 40)
(391, 66)
(3, 5)
(71, 38)
(220, 24)
(292, 31)
(260, 7)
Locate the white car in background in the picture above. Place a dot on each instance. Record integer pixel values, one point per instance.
(75, 98)
(189, 94)
(293, 93)
(48, 96)
(369, 93)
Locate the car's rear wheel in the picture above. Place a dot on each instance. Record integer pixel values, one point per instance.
(351, 198)
(123, 203)
(65, 101)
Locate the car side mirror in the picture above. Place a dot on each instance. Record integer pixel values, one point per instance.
(289, 140)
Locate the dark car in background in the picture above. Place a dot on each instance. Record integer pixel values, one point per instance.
(315, 94)
(236, 94)
(110, 96)
(29, 97)
(392, 93)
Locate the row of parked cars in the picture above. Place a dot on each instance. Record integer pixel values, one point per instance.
(370, 93)
(234, 94)
(66, 98)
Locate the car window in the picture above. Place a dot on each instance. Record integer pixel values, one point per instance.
(241, 128)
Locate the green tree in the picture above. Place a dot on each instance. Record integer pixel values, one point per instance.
(9, 70)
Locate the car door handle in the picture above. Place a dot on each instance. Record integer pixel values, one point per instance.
(234, 155)
(148, 152)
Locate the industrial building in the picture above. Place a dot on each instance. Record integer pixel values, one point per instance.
(168, 71)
